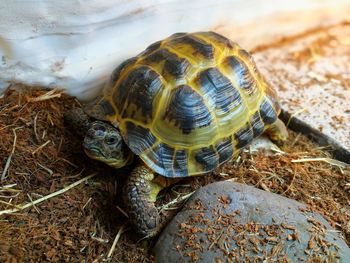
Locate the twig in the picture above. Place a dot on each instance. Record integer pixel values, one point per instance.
(50, 119)
(4, 108)
(40, 147)
(25, 206)
(48, 95)
(7, 165)
(121, 229)
(178, 186)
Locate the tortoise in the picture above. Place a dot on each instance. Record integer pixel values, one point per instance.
(184, 106)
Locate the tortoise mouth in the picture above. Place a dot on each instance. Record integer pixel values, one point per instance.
(95, 153)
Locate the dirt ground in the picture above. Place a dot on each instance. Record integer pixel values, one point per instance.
(40, 156)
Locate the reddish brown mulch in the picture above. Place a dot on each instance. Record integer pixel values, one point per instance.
(77, 226)
(81, 224)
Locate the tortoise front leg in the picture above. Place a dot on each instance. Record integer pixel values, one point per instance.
(140, 193)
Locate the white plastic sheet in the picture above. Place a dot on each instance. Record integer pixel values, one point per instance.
(75, 44)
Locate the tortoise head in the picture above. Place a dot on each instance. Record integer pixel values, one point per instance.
(104, 143)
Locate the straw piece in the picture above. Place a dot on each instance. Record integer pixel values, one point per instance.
(7, 165)
(327, 160)
(295, 114)
(25, 206)
(35, 128)
(123, 212)
(176, 200)
(121, 229)
(31, 200)
(48, 95)
(40, 147)
(275, 148)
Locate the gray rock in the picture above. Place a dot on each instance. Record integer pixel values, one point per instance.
(230, 222)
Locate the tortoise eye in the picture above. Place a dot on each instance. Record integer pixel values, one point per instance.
(111, 140)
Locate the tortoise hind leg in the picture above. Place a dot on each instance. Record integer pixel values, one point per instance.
(277, 132)
(140, 193)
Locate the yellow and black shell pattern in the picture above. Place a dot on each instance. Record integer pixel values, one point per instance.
(189, 103)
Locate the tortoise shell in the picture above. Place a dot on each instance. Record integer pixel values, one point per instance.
(189, 103)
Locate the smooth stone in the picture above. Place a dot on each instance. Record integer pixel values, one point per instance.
(230, 222)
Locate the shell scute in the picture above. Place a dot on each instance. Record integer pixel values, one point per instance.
(244, 136)
(215, 86)
(267, 112)
(187, 110)
(138, 138)
(151, 48)
(257, 124)
(180, 162)
(225, 149)
(174, 66)
(137, 95)
(218, 40)
(241, 74)
(163, 155)
(118, 70)
(190, 46)
(207, 157)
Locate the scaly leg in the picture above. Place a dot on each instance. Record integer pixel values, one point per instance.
(140, 193)
(277, 132)
(78, 120)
